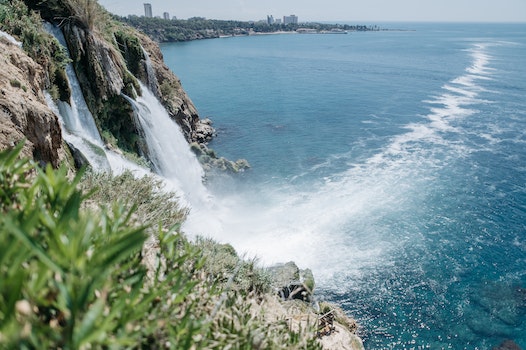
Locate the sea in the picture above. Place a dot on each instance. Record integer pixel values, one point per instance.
(392, 163)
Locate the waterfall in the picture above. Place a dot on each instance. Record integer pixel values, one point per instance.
(167, 147)
(78, 126)
(150, 73)
(10, 38)
(168, 150)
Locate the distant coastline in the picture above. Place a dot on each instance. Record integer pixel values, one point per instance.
(197, 28)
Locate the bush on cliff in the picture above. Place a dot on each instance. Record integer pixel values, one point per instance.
(43, 48)
(72, 277)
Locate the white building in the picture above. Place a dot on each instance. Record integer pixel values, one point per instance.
(148, 10)
(166, 15)
(292, 19)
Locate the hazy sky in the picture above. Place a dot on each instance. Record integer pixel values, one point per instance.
(332, 10)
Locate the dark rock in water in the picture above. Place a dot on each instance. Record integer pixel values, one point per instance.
(495, 309)
(209, 160)
(78, 157)
(290, 282)
(507, 345)
(203, 131)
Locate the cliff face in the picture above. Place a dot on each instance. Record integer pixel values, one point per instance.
(23, 109)
(106, 71)
(109, 59)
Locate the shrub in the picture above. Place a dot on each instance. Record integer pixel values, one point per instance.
(153, 206)
(69, 278)
(18, 20)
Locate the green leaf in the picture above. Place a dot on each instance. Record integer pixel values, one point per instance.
(30, 243)
(89, 330)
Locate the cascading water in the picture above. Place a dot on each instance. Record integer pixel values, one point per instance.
(168, 150)
(78, 125)
(10, 38)
(150, 72)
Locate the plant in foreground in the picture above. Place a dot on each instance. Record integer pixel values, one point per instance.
(72, 277)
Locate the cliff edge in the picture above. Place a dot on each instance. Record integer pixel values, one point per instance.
(24, 113)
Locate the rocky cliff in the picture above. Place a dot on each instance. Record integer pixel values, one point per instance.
(24, 113)
(109, 59)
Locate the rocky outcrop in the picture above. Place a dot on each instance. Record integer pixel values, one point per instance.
(104, 78)
(290, 282)
(300, 317)
(295, 290)
(210, 160)
(109, 58)
(24, 113)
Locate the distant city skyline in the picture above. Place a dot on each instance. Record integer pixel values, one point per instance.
(331, 10)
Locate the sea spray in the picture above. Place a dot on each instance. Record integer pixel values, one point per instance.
(413, 221)
(316, 224)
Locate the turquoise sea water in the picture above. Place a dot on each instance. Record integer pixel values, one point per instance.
(392, 163)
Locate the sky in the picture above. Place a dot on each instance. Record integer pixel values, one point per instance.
(332, 10)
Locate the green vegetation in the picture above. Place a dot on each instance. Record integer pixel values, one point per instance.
(163, 30)
(74, 275)
(17, 84)
(26, 25)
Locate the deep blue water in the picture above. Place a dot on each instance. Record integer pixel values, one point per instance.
(392, 163)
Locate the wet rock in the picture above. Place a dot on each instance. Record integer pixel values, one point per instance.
(79, 158)
(204, 132)
(291, 283)
(507, 345)
(210, 161)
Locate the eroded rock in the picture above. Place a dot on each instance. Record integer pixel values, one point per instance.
(24, 113)
(290, 282)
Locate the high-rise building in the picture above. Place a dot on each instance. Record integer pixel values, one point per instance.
(166, 15)
(292, 19)
(270, 20)
(148, 10)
